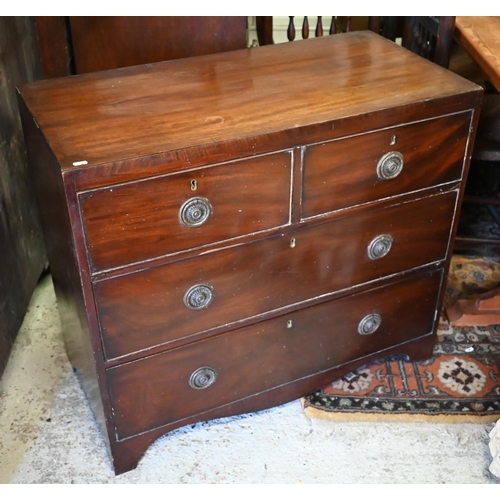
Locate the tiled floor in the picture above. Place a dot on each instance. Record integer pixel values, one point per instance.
(48, 435)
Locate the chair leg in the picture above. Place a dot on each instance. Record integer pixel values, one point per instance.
(483, 311)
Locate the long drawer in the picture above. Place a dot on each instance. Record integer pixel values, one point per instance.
(133, 222)
(368, 167)
(182, 299)
(170, 386)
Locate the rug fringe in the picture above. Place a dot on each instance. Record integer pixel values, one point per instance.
(314, 413)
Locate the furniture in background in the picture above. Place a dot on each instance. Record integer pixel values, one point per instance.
(428, 36)
(80, 44)
(224, 238)
(479, 40)
(321, 26)
(480, 36)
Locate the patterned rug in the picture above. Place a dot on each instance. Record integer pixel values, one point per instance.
(461, 382)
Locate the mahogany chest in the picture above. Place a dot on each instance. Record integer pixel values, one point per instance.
(230, 232)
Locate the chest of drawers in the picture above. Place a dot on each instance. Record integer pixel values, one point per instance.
(231, 232)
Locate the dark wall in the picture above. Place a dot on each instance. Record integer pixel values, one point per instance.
(22, 252)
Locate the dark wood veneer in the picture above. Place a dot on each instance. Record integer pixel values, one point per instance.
(106, 42)
(266, 355)
(168, 106)
(121, 231)
(343, 173)
(128, 452)
(268, 274)
(290, 135)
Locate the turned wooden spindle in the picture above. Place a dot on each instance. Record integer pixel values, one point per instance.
(305, 28)
(290, 32)
(319, 27)
(333, 26)
(318, 31)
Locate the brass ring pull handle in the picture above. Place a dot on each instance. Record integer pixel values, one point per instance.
(195, 212)
(380, 246)
(198, 297)
(369, 324)
(390, 165)
(202, 378)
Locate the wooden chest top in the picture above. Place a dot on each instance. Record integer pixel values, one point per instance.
(241, 95)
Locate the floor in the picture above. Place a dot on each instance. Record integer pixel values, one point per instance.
(48, 435)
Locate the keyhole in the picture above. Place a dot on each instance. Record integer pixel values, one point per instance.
(289, 323)
(194, 185)
(393, 140)
(292, 243)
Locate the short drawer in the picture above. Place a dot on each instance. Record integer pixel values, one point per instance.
(168, 387)
(384, 163)
(143, 220)
(182, 299)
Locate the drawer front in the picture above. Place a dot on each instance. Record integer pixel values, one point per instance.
(139, 221)
(346, 172)
(178, 300)
(183, 382)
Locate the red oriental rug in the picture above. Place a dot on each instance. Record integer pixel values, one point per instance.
(461, 382)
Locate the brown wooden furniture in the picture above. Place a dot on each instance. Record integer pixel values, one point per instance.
(230, 232)
(480, 36)
(428, 36)
(329, 25)
(82, 44)
(336, 25)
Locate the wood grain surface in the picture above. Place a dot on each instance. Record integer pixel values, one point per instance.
(147, 308)
(146, 393)
(480, 36)
(171, 105)
(106, 42)
(139, 221)
(343, 173)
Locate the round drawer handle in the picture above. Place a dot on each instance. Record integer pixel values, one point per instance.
(202, 377)
(195, 212)
(380, 246)
(198, 297)
(390, 165)
(369, 324)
